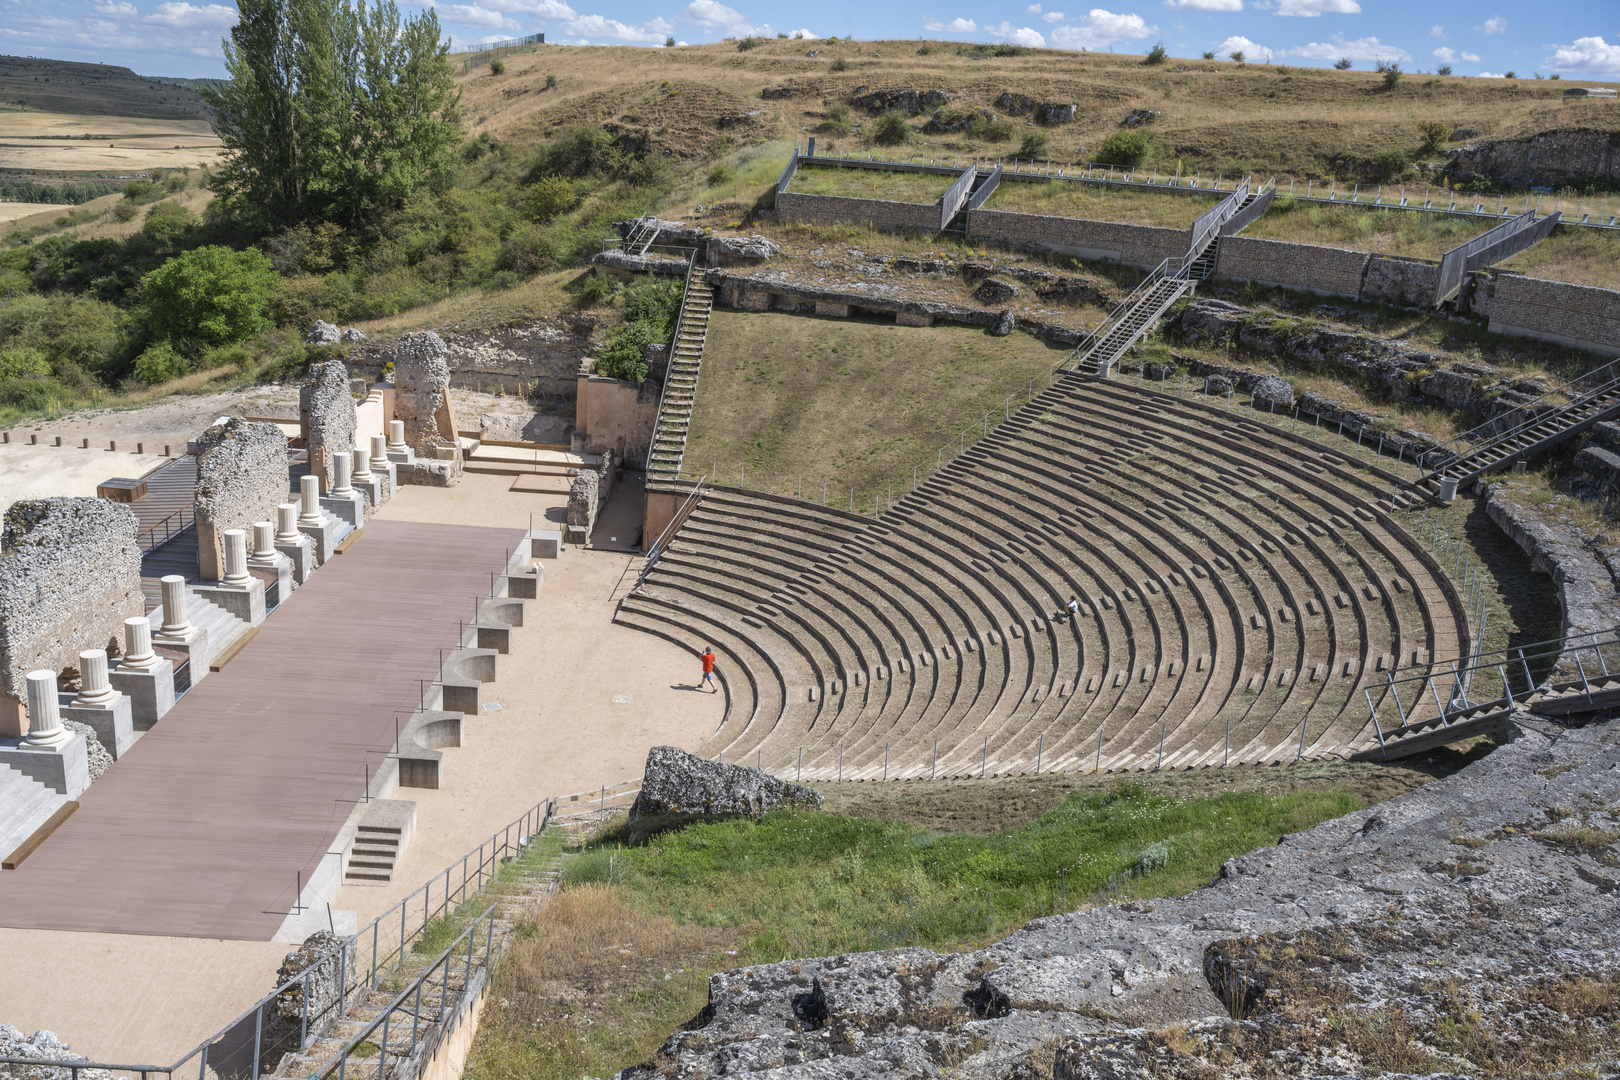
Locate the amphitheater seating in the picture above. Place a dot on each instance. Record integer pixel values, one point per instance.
(1241, 592)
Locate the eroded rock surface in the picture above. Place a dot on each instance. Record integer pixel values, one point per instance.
(1484, 896)
(676, 782)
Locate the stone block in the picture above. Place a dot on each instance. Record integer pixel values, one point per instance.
(906, 318)
(278, 570)
(150, 693)
(193, 645)
(526, 585)
(323, 537)
(114, 725)
(402, 457)
(832, 310)
(545, 544)
(245, 603)
(375, 491)
(676, 782)
(65, 770)
(350, 509)
(301, 556)
(462, 695)
(497, 637)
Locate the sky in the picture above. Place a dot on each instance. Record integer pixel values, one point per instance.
(1573, 38)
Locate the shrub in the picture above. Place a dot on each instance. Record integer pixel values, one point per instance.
(838, 64)
(669, 42)
(1443, 69)
(1237, 56)
(597, 290)
(1010, 50)
(1343, 64)
(238, 356)
(580, 151)
(497, 67)
(721, 174)
(1156, 55)
(1509, 75)
(160, 363)
(1390, 163)
(18, 361)
(125, 210)
(990, 128)
(551, 82)
(1127, 148)
(1036, 144)
(748, 43)
(654, 301)
(550, 196)
(625, 355)
(892, 128)
(1434, 133)
(1207, 55)
(1391, 72)
(211, 295)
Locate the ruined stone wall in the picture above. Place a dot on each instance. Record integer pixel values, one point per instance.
(534, 359)
(583, 498)
(421, 379)
(1576, 315)
(70, 574)
(1404, 282)
(326, 413)
(878, 213)
(1137, 245)
(241, 478)
(1329, 270)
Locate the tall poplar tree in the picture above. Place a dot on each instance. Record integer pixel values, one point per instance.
(334, 111)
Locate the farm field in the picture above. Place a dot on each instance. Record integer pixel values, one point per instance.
(11, 211)
(49, 155)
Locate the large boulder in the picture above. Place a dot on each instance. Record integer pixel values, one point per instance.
(323, 333)
(1273, 391)
(740, 250)
(676, 782)
(995, 291)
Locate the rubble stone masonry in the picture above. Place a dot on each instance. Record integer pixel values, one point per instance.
(1330, 270)
(241, 478)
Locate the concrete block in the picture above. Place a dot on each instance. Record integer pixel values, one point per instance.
(114, 726)
(301, 556)
(545, 543)
(65, 770)
(350, 509)
(194, 645)
(497, 637)
(827, 307)
(375, 492)
(323, 536)
(246, 603)
(526, 585)
(150, 693)
(462, 695)
(420, 763)
(402, 457)
(279, 571)
(501, 609)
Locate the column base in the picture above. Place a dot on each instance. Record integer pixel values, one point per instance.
(302, 557)
(114, 726)
(402, 457)
(278, 570)
(350, 509)
(244, 602)
(150, 693)
(375, 492)
(324, 537)
(194, 643)
(65, 770)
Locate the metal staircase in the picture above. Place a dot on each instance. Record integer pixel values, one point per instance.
(1136, 316)
(680, 381)
(1526, 431)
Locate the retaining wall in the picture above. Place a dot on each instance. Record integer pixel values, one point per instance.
(616, 417)
(879, 213)
(1575, 315)
(1136, 245)
(241, 478)
(70, 574)
(1327, 271)
(1402, 281)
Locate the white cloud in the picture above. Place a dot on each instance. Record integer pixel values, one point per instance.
(955, 26)
(1588, 55)
(1437, 31)
(1101, 28)
(546, 9)
(1054, 16)
(1445, 55)
(1205, 5)
(1495, 25)
(1034, 9)
(1310, 9)
(187, 16)
(1489, 75)
(600, 28)
(1252, 51)
(1019, 35)
(118, 10)
(473, 15)
(713, 15)
(1471, 57)
(804, 35)
(1367, 48)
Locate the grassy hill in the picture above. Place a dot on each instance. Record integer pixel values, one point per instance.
(63, 86)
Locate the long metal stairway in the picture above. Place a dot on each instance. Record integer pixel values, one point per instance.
(680, 382)
(1529, 430)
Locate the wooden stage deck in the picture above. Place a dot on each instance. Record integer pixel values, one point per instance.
(198, 831)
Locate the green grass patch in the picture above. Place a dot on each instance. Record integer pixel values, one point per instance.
(914, 187)
(1384, 231)
(1096, 202)
(1577, 255)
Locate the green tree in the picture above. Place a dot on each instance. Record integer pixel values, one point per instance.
(210, 295)
(332, 110)
(1124, 148)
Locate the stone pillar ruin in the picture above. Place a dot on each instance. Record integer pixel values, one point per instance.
(343, 502)
(264, 544)
(238, 591)
(236, 572)
(138, 654)
(379, 447)
(99, 706)
(326, 415)
(340, 474)
(372, 486)
(396, 439)
(241, 477)
(45, 728)
(177, 631)
(95, 692)
(50, 754)
(423, 409)
(175, 622)
(361, 469)
(320, 529)
(309, 498)
(145, 677)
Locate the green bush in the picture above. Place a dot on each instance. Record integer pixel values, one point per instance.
(1389, 163)
(1129, 148)
(160, 363)
(837, 122)
(598, 289)
(211, 295)
(497, 67)
(1391, 72)
(125, 210)
(838, 64)
(624, 356)
(238, 356)
(892, 128)
(748, 43)
(1036, 144)
(655, 301)
(989, 127)
(1156, 55)
(18, 361)
(549, 197)
(1434, 133)
(721, 174)
(1343, 64)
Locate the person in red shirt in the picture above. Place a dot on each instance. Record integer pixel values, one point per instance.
(708, 669)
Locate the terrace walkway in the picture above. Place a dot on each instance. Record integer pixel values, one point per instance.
(198, 830)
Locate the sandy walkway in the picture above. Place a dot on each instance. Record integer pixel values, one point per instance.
(37, 472)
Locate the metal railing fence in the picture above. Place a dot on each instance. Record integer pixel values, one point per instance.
(155, 536)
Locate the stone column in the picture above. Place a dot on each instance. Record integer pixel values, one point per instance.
(379, 448)
(45, 730)
(138, 654)
(264, 544)
(287, 524)
(95, 692)
(236, 573)
(362, 465)
(309, 491)
(341, 488)
(175, 623)
(396, 437)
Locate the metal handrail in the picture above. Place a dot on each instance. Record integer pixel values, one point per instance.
(675, 522)
(1095, 337)
(168, 533)
(669, 362)
(1458, 446)
(1211, 220)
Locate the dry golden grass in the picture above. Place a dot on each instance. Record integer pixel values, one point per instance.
(1077, 200)
(484, 309)
(12, 211)
(51, 155)
(910, 187)
(1259, 118)
(1581, 256)
(15, 123)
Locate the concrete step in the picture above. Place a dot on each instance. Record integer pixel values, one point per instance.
(25, 805)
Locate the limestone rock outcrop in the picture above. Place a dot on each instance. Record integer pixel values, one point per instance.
(42, 1045)
(323, 333)
(676, 782)
(908, 101)
(1546, 159)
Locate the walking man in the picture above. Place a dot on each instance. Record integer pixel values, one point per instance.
(708, 669)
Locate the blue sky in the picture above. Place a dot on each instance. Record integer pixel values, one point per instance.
(1576, 38)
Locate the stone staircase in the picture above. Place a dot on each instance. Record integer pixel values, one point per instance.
(375, 851)
(680, 384)
(25, 805)
(223, 628)
(516, 894)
